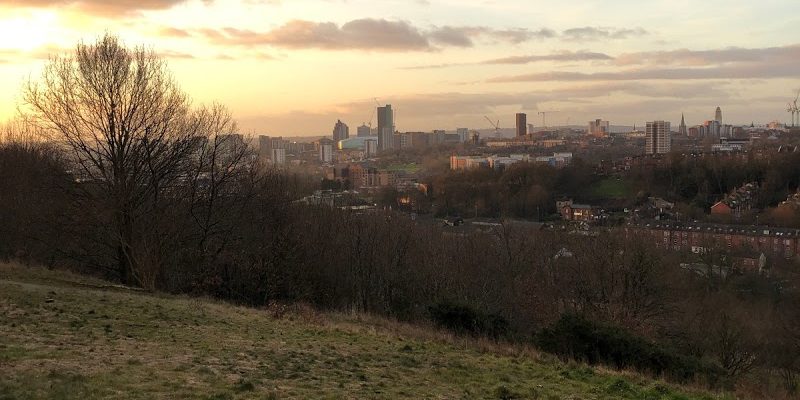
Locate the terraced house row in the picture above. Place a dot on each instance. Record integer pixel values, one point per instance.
(738, 239)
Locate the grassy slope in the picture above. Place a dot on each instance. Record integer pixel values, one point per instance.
(63, 336)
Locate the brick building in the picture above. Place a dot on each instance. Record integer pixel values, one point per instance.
(696, 237)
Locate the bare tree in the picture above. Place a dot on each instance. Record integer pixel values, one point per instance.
(131, 135)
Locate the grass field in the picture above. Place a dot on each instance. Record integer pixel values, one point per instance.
(612, 188)
(68, 337)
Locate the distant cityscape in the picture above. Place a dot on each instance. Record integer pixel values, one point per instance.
(655, 137)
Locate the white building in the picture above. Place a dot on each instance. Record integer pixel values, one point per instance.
(370, 147)
(657, 138)
(278, 156)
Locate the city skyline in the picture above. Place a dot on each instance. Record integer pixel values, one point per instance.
(295, 68)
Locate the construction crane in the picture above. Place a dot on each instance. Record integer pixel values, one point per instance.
(544, 116)
(372, 115)
(794, 110)
(495, 125)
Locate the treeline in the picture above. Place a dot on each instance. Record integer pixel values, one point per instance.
(529, 191)
(702, 181)
(524, 190)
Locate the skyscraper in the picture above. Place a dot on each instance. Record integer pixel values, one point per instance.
(385, 127)
(522, 124)
(364, 130)
(718, 115)
(657, 138)
(682, 128)
(340, 131)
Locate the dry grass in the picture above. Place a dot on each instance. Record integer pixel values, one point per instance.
(65, 336)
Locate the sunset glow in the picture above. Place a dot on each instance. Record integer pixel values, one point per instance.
(295, 67)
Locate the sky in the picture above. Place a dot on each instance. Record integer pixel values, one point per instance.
(293, 67)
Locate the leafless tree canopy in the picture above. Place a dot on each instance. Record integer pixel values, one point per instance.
(132, 136)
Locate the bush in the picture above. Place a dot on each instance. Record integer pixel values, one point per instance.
(465, 320)
(583, 340)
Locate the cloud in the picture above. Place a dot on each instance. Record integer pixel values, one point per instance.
(563, 56)
(108, 8)
(560, 56)
(464, 36)
(366, 34)
(363, 34)
(768, 63)
(448, 35)
(172, 54)
(686, 57)
(588, 33)
(174, 32)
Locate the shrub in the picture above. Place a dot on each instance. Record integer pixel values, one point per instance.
(583, 340)
(465, 320)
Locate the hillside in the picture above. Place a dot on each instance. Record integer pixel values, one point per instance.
(64, 336)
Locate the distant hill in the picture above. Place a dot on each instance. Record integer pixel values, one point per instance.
(64, 336)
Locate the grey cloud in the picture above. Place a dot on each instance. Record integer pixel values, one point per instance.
(589, 33)
(765, 70)
(564, 56)
(448, 35)
(561, 56)
(522, 35)
(464, 36)
(364, 34)
(688, 57)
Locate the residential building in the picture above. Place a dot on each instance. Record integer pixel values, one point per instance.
(737, 201)
(522, 124)
(657, 138)
(463, 134)
(264, 145)
(326, 150)
(437, 137)
(576, 212)
(698, 237)
(273, 149)
(340, 131)
(278, 156)
(467, 162)
(370, 147)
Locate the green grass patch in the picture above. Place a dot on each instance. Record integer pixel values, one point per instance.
(612, 188)
(66, 339)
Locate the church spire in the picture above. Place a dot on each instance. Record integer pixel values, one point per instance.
(682, 129)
